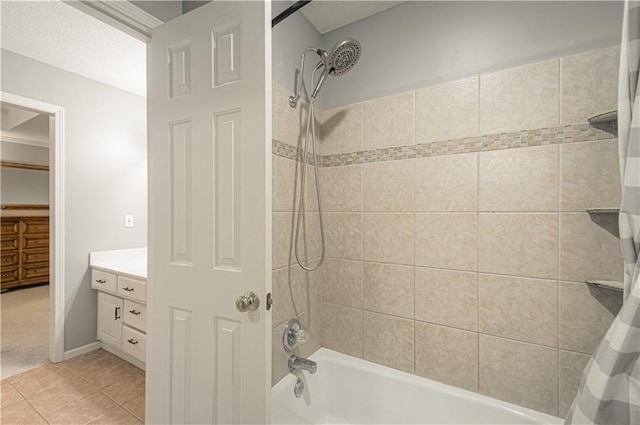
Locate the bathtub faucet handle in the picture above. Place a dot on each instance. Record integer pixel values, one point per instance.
(293, 335)
(301, 336)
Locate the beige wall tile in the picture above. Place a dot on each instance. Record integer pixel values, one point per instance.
(447, 355)
(437, 107)
(589, 247)
(290, 123)
(274, 121)
(519, 308)
(339, 129)
(520, 98)
(340, 282)
(293, 293)
(589, 84)
(586, 313)
(283, 233)
(343, 232)
(519, 179)
(341, 188)
(446, 241)
(388, 186)
(279, 357)
(312, 322)
(519, 244)
(571, 367)
(281, 239)
(447, 297)
(519, 373)
(389, 341)
(389, 121)
(284, 184)
(388, 238)
(388, 289)
(447, 183)
(590, 176)
(342, 329)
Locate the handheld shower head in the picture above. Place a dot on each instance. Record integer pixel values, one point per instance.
(338, 61)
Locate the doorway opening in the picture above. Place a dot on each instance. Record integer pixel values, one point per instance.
(32, 241)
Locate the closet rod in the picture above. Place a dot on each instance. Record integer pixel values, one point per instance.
(288, 11)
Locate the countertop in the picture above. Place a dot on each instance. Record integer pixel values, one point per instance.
(127, 262)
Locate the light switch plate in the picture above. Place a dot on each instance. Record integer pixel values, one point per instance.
(128, 221)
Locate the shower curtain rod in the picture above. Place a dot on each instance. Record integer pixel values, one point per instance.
(288, 11)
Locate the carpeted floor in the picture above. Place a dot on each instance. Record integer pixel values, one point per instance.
(25, 329)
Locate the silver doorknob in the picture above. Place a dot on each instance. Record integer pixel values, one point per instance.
(246, 302)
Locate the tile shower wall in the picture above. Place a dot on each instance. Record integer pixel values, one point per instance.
(453, 255)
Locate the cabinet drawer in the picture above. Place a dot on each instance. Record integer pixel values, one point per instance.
(9, 243)
(9, 228)
(35, 256)
(35, 226)
(132, 288)
(134, 342)
(103, 280)
(9, 259)
(35, 241)
(135, 315)
(9, 274)
(35, 270)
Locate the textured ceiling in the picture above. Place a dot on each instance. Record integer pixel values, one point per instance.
(57, 34)
(328, 15)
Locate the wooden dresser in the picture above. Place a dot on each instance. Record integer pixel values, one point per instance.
(24, 257)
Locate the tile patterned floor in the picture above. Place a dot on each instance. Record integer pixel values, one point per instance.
(95, 388)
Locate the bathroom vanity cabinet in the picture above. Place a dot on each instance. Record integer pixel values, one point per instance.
(120, 277)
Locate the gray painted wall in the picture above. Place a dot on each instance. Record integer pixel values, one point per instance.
(289, 39)
(105, 166)
(418, 43)
(24, 186)
(163, 10)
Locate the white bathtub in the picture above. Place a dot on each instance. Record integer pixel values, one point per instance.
(348, 390)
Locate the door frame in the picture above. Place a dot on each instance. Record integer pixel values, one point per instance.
(56, 218)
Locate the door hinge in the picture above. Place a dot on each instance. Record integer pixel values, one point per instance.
(269, 301)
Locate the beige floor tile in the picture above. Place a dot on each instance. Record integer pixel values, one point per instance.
(136, 407)
(127, 389)
(82, 411)
(8, 394)
(118, 416)
(48, 395)
(102, 368)
(49, 372)
(20, 413)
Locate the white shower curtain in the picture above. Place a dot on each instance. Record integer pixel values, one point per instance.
(609, 393)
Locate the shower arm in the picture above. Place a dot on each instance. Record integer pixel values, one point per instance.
(293, 99)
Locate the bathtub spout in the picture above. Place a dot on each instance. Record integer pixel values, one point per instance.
(301, 363)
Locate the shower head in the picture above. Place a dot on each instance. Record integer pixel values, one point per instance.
(338, 61)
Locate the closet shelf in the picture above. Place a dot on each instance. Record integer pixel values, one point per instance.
(609, 284)
(603, 210)
(605, 117)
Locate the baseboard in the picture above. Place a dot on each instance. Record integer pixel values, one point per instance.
(117, 351)
(82, 350)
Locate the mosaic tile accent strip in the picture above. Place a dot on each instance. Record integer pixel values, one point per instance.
(570, 133)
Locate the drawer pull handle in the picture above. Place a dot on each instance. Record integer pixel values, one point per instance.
(116, 313)
(101, 281)
(128, 289)
(137, 313)
(5, 274)
(132, 341)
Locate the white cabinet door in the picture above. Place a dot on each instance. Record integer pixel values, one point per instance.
(109, 319)
(209, 158)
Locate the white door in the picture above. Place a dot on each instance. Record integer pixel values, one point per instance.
(209, 112)
(109, 319)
